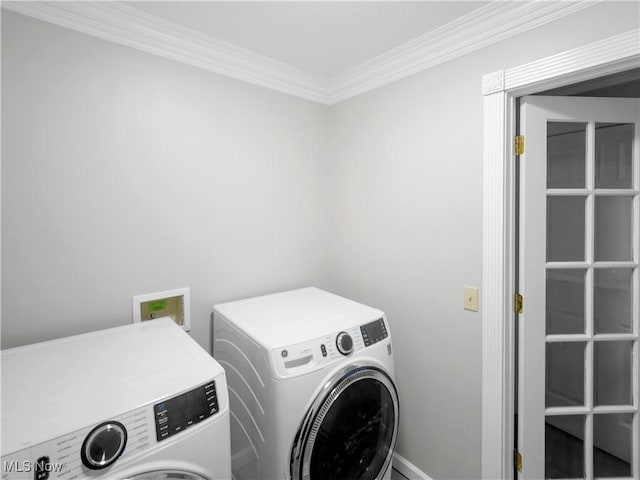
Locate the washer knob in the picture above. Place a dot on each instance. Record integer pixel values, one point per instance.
(344, 342)
(103, 445)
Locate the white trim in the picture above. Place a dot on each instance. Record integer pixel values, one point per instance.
(408, 469)
(126, 25)
(611, 55)
(493, 82)
(497, 379)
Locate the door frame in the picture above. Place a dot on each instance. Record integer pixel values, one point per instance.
(500, 90)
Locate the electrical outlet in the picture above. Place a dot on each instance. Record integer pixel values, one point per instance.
(471, 299)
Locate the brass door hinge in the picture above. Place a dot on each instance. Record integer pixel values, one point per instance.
(518, 461)
(518, 145)
(518, 303)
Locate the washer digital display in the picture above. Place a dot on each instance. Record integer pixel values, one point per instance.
(179, 413)
(373, 332)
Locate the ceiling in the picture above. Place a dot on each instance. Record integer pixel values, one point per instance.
(324, 51)
(321, 38)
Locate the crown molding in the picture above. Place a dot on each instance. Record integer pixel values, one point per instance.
(122, 24)
(128, 26)
(485, 26)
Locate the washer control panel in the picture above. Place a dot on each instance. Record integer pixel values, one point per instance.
(81, 454)
(373, 332)
(77, 455)
(178, 413)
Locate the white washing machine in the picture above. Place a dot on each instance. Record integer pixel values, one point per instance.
(311, 386)
(139, 402)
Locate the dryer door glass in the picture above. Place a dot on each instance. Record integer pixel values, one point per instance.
(351, 432)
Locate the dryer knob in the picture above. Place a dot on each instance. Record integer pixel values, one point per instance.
(344, 342)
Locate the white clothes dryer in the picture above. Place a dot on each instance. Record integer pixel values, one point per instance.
(139, 402)
(311, 385)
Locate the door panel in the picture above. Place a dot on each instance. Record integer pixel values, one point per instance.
(579, 251)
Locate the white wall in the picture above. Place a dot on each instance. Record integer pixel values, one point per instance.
(406, 228)
(125, 173)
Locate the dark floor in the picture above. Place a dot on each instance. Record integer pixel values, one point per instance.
(565, 457)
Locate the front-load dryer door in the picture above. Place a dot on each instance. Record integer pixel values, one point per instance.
(166, 475)
(350, 430)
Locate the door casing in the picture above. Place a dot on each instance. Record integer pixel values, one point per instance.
(500, 90)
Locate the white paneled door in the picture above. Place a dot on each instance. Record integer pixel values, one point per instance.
(579, 248)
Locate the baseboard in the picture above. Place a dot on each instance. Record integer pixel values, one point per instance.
(408, 469)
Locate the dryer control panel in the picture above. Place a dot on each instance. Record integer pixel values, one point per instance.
(311, 355)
